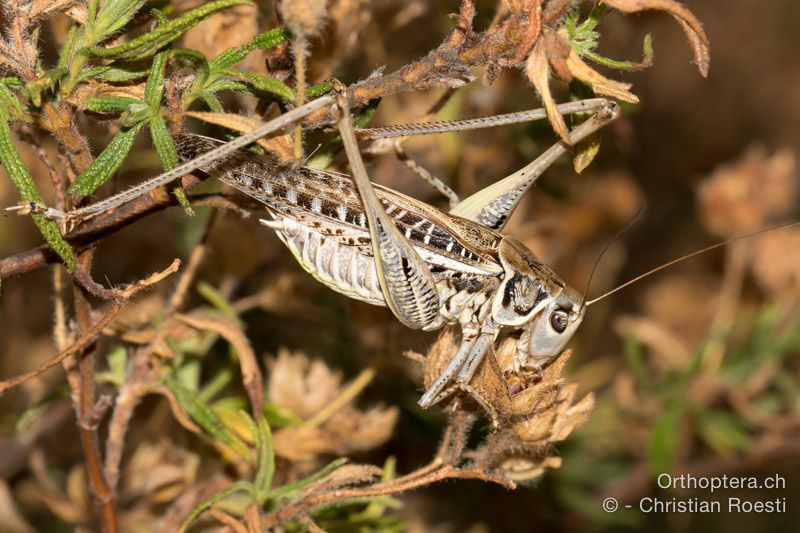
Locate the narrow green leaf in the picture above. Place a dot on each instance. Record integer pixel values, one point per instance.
(144, 46)
(265, 84)
(264, 41)
(646, 61)
(154, 87)
(117, 363)
(110, 104)
(11, 101)
(315, 91)
(319, 474)
(109, 160)
(215, 298)
(23, 181)
(723, 432)
(229, 85)
(162, 140)
(74, 33)
(30, 414)
(664, 438)
(197, 62)
(183, 200)
(112, 16)
(279, 416)
(586, 151)
(219, 380)
(266, 461)
(205, 417)
(159, 15)
(212, 102)
(200, 508)
(110, 74)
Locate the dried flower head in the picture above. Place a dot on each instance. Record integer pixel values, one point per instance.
(536, 409)
(310, 390)
(748, 194)
(301, 385)
(304, 17)
(776, 264)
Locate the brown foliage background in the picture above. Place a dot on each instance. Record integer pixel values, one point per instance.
(712, 158)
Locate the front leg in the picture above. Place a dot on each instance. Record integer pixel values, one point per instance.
(434, 392)
(462, 367)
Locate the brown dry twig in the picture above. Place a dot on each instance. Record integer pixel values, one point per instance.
(90, 335)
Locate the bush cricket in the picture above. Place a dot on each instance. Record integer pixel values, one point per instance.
(374, 244)
(429, 267)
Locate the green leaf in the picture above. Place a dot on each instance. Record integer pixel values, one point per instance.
(117, 363)
(586, 150)
(266, 84)
(24, 183)
(266, 461)
(215, 298)
(150, 42)
(110, 104)
(229, 85)
(107, 163)
(315, 91)
(205, 417)
(664, 439)
(212, 102)
(11, 101)
(30, 414)
(112, 16)
(264, 41)
(200, 508)
(162, 140)
(279, 416)
(66, 51)
(183, 200)
(723, 432)
(319, 474)
(634, 356)
(159, 15)
(154, 87)
(271, 86)
(110, 74)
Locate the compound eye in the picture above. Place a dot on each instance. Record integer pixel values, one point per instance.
(559, 320)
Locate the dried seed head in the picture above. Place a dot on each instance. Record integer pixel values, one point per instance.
(535, 409)
(305, 387)
(748, 194)
(304, 18)
(302, 386)
(776, 264)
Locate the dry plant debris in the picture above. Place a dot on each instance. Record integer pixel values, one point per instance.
(180, 415)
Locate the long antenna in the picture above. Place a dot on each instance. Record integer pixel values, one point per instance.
(607, 245)
(689, 256)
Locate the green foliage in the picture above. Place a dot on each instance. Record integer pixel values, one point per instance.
(165, 33)
(109, 160)
(218, 75)
(23, 181)
(202, 414)
(584, 38)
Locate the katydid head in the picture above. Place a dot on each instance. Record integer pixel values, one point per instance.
(550, 330)
(533, 297)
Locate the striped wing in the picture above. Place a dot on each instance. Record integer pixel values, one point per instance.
(329, 203)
